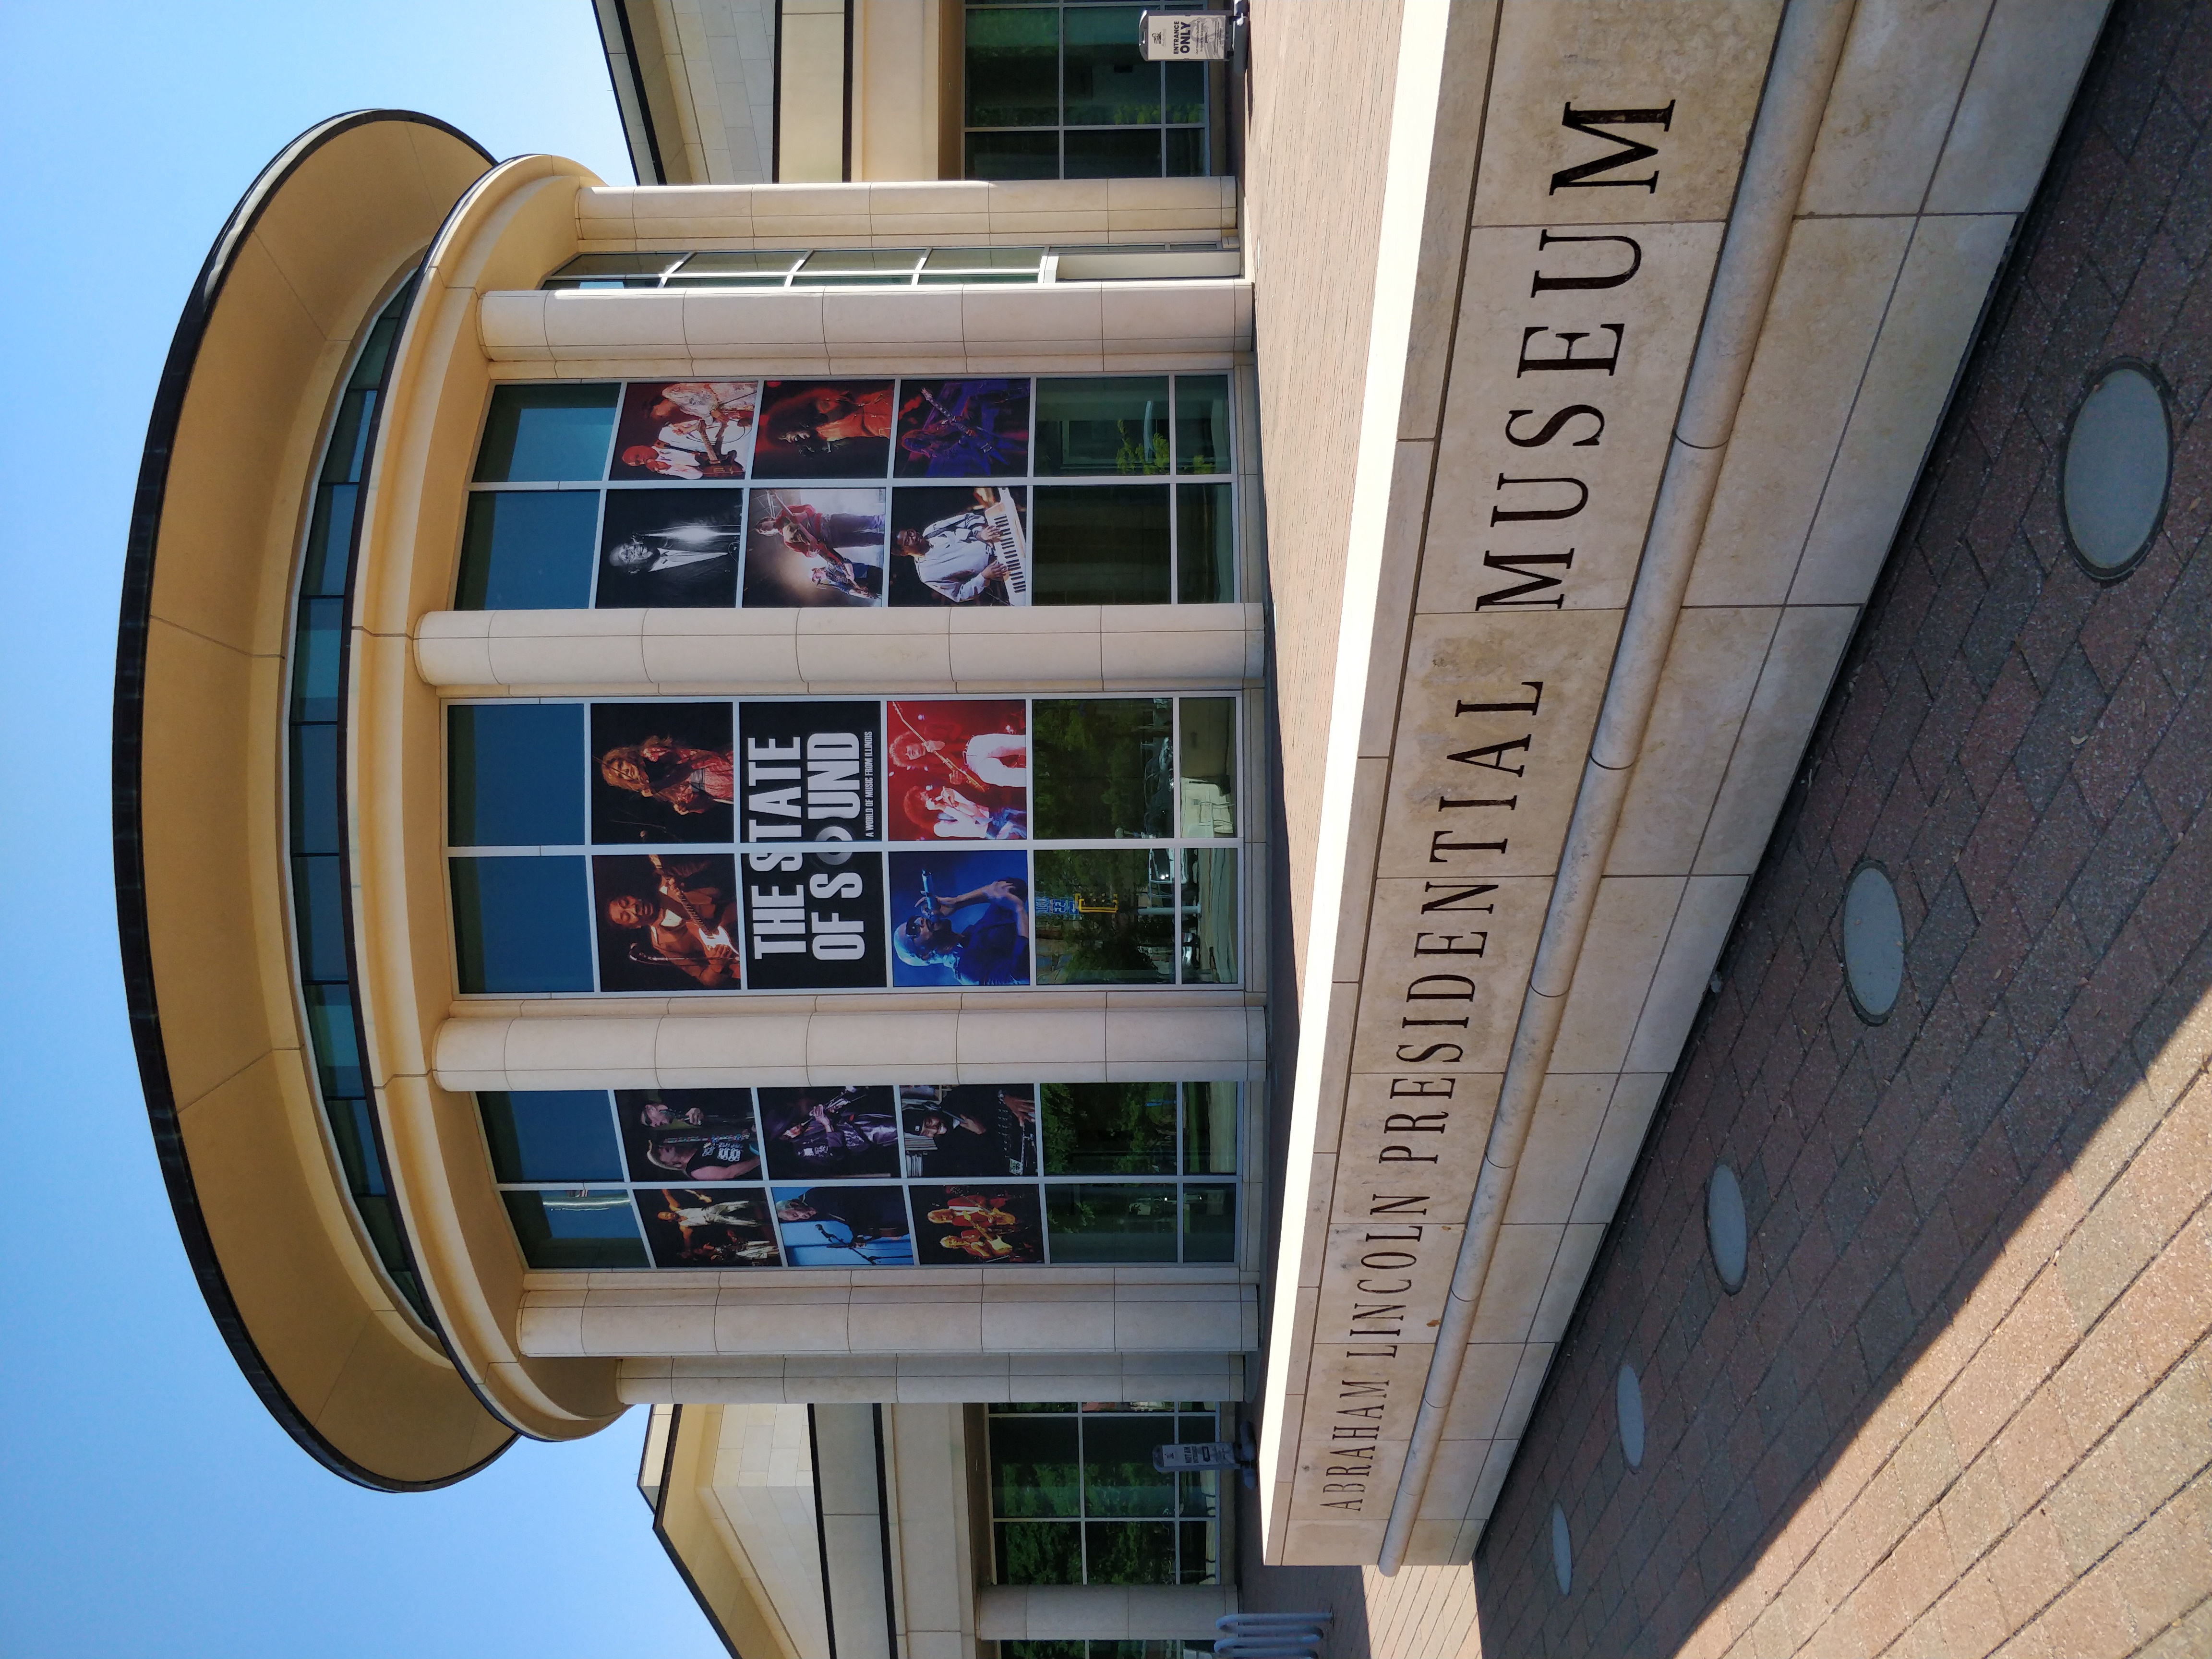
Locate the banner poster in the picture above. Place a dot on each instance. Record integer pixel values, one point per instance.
(811, 547)
(959, 1226)
(960, 546)
(708, 1227)
(829, 1135)
(662, 772)
(963, 428)
(823, 429)
(685, 429)
(670, 549)
(844, 1226)
(688, 1134)
(960, 918)
(810, 772)
(969, 1130)
(814, 921)
(958, 771)
(667, 922)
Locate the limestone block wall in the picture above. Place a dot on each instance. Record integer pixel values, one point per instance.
(1959, 1404)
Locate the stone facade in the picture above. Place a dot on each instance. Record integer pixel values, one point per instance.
(1959, 1405)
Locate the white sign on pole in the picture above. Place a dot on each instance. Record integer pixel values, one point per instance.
(1202, 1455)
(1188, 36)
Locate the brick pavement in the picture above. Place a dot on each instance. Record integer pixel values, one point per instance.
(1960, 1404)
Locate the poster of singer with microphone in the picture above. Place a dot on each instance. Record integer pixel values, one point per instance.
(667, 923)
(960, 918)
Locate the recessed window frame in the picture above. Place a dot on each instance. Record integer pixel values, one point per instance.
(1184, 1179)
(1217, 1524)
(1177, 847)
(1204, 128)
(1176, 480)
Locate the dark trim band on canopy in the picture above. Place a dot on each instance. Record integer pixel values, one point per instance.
(131, 911)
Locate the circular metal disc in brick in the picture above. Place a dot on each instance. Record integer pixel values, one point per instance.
(1726, 1231)
(1874, 943)
(1628, 1404)
(1563, 1565)
(2119, 456)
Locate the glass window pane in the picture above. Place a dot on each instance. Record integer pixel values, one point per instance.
(528, 551)
(547, 434)
(984, 259)
(550, 1134)
(1101, 768)
(1104, 545)
(347, 452)
(1033, 1466)
(330, 541)
(1209, 1222)
(1118, 1476)
(1109, 1128)
(1209, 916)
(330, 1034)
(901, 260)
(1013, 155)
(1209, 1129)
(1013, 68)
(368, 368)
(1130, 1551)
(1201, 423)
(319, 911)
(1186, 156)
(1209, 768)
(1104, 917)
(1117, 1221)
(1111, 153)
(576, 1229)
(515, 774)
(314, 789)
(618, 265)
(1040, 1552)
(354, 1137)
(316, 645)
(1185, 92)
(1205, 546)
(1201, 1552)
(1107, 82)
(521, 924)
(1102, 426)
(715, 267)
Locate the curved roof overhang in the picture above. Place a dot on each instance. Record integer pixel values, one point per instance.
(298, 273)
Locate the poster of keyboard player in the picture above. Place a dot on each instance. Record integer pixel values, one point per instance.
(955, 546)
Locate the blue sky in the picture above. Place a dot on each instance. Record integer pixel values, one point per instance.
(148, 1504)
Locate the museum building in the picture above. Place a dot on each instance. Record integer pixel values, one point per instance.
(1033, 758)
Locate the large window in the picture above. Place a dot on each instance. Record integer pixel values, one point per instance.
(995, 1175)
(1060, 91)
(1098, 490)
(1075, 1499)
(322, 914)
(826, 844)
